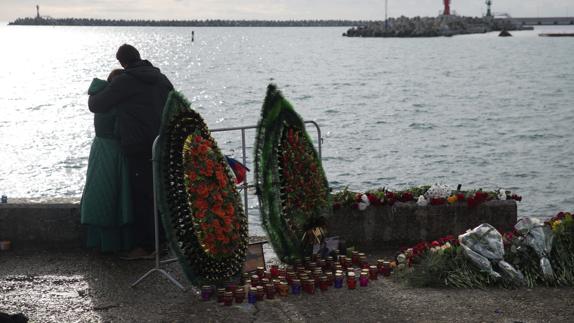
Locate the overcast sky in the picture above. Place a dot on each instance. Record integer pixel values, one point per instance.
(272, 9)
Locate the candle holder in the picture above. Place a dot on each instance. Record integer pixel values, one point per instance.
(373, 273)
(260, 294)
(270, 291)
(309, 286)
(339, 280)
(228, 298)
(355, 257)
(206, 292)
(220, 295)
(364, 279)
(239, 295)
(296, 287)
(351, 282)
(252, 295)
(324, 283)
(283, 289)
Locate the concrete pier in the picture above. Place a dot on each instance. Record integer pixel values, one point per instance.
(57, 225)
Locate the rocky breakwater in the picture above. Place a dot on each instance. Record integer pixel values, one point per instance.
(430, 27)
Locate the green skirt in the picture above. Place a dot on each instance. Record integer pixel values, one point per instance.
(106, 206)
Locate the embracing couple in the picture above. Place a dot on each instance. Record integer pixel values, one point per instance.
(118, 203)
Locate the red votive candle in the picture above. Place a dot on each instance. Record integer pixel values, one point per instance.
(373, 273)
(351, 282)
(228, 298)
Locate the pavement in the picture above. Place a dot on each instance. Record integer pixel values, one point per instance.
(81, 286)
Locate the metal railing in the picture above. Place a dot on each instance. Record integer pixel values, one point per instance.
(244, 186)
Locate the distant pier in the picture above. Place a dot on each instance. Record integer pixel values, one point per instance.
(539, 21)
(443, 25)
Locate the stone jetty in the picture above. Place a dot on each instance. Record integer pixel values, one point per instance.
(431, 26)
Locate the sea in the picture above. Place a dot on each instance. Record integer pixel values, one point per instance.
(476, 110)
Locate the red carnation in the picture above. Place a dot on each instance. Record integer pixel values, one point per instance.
(435, 243)
(470, 202)
(406, 197)
(437, 201)
(373, 199)
(460, 197)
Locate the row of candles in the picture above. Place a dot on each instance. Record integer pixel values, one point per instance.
(302, 277)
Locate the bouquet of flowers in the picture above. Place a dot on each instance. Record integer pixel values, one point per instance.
(423, 195)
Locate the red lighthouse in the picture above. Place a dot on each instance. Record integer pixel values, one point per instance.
(446, 7)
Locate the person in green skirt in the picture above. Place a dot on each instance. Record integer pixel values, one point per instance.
(106, 205)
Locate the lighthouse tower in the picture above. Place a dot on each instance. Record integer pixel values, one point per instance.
(446, 8)
(37, 12)
(488, 12)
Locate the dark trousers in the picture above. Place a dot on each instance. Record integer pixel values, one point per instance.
(141, 182)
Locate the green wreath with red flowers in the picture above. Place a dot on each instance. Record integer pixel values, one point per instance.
(292, 187)
(201, 209)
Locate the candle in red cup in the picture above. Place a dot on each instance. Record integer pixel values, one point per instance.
(351, 282)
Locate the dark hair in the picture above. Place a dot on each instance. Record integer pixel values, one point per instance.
(115, 73)
(127, 54)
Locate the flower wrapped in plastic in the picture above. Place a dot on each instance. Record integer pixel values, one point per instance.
(483, 245)
(540, 237)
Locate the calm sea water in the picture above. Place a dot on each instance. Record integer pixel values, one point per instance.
(476, 110)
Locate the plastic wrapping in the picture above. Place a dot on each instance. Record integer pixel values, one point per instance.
(483, 245)
(540, 237)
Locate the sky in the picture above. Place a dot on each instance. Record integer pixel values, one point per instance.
(273, 9)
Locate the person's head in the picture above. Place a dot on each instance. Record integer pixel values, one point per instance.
(115, 73)
(127, 55)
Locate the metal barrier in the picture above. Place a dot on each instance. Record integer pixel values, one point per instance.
(244, 186)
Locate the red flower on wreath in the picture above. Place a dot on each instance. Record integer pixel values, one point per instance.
(211, 196)
(302, 182)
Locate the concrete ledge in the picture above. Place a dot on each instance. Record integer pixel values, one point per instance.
(405, 223)
(57, 225)
(42, 224)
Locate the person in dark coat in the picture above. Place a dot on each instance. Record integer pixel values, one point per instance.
(140, 93)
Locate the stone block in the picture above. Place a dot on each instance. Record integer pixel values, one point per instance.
(41, 224)
(384, 227)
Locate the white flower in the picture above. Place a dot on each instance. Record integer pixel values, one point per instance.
(401, 258)
(364, 203)
(438, 191)
(409, 252)
(422, 201)
(502, 195)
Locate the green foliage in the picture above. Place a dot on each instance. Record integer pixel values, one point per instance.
(451, 268)
(562, 255)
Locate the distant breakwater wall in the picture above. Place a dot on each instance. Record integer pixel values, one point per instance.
(431, 27)
(57, 225)
(184, 23)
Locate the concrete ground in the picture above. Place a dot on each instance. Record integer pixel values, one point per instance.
(79, 286)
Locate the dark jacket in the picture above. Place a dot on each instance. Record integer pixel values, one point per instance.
(140, 94)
